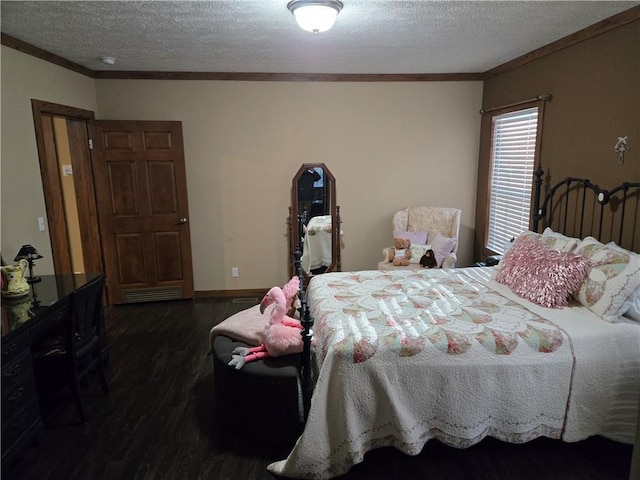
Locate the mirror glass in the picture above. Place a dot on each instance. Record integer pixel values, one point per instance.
(314, 222)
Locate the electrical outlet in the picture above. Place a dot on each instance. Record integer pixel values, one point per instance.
(41, 225)
(234, 272)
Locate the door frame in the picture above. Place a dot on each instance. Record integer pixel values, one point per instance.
(50, 174)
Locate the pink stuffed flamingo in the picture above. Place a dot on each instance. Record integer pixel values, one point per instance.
(290, 290)
(281, 336)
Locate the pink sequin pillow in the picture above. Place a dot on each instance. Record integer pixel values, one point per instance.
(543, 276)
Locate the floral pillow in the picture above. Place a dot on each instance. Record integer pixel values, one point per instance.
(417, 251)
(554, 240)
(541, 275)
(417, 238)
(614, 276)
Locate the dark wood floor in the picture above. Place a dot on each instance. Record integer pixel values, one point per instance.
(158, 421)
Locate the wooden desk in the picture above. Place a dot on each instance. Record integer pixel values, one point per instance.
(25, 320)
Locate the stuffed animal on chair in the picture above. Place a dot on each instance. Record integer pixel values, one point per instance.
(428, 260)
(400, 253)
(282, 336)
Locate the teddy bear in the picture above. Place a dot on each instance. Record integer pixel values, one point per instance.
(428, 260)
(400, 253)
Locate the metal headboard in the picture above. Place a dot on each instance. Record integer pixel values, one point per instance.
(578, 208)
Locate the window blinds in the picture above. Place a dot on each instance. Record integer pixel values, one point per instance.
(513, 147)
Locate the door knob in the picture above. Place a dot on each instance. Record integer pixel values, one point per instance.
(181, 221)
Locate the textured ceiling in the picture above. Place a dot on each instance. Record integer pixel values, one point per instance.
(370, 36)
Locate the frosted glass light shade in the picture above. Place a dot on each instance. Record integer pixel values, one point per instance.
(315, 16)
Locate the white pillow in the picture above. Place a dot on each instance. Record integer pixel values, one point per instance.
(633, 309)
(554, 240)
(614, 276)
(563, 243)
(418, 238)
(441, 246)
(631, 306)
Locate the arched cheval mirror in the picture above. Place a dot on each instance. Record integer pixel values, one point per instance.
(314, 221)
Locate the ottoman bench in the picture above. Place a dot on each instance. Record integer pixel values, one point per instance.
(263, 400)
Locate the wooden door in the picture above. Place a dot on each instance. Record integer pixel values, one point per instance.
(90, 244)
(141, 191)
(49, 140)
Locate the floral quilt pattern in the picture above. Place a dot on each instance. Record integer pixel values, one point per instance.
(607, 264)
(359, 314)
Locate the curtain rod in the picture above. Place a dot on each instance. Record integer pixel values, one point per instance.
(543, 98)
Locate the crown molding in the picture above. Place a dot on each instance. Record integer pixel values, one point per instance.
(24, 47)
(611, 23)
(606, 25)
(291, 77)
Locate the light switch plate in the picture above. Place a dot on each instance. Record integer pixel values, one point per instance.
(67, 170)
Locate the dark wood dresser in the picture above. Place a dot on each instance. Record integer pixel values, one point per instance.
(24, 320)
(20, 409)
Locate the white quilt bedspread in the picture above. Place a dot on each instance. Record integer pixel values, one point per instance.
(405, 357)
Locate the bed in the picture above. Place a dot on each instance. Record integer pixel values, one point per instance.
(403, 357)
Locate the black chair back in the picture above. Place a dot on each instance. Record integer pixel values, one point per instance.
(86, 311)
(76, 354)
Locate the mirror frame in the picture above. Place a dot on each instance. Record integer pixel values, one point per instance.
(295, 227)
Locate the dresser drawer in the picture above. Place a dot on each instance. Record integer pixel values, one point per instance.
(22, 391)
(14, 346)
(23, 423)
(13, 371)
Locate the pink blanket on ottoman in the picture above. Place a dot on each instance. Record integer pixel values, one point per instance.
(246, 326)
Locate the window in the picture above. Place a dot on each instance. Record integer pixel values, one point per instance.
(514, 138)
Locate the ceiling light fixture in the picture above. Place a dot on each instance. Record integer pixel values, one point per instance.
(108, 60)
(315, 15)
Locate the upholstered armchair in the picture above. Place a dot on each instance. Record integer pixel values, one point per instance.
(440, 226)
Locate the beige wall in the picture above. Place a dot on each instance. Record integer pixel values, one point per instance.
(389, 145)
(25, 77)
